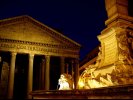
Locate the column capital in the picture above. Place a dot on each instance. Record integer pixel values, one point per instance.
(62, 57)
(76, 60)
(72, 61)
(66, 64)
(47, 56)
(13, 53)
(31, 55)
(43, 59)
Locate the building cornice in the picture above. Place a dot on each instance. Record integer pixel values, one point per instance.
(38, 44)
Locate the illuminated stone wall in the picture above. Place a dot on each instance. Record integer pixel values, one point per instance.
(25, 35)
(114, 64)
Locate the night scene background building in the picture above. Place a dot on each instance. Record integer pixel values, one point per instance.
(80, 20)
(40, 40)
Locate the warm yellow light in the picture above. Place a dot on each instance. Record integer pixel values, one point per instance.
(80, 84)
(65, 82)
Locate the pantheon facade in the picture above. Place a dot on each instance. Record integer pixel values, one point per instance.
(33, 56)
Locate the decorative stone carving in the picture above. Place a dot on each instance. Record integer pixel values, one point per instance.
(99, 58)
(124, 48)
(130, 42)
(114, 64)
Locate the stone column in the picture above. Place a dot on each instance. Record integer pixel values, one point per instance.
(43, 73)
(76, 73)
(30, 75)
(11, 75)
(72, 67)
(67, 65)
(40, 77)
(47, 73)
(62, 65)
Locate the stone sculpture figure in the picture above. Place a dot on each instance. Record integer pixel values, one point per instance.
(130, 42)
(65, 82)
(124, 52)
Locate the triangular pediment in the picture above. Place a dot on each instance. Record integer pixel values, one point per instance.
(25, 28)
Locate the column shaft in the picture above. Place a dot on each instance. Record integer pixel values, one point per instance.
(76, 73)
(72, 67)
(11, 76)
(40, 77)
(62, 65)
(67, 65)
(43, 74)
(30, 75)
(47, 73)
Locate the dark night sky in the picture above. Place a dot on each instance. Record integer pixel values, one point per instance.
(80, 20)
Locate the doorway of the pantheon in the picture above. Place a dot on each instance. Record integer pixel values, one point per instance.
(21, 73)
(54, 72)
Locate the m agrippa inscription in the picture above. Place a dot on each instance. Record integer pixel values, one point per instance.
(39, 49)
(21, 46)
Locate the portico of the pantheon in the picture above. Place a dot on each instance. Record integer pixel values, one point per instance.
(34, 55)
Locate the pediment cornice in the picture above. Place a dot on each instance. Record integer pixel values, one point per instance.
(53, 33)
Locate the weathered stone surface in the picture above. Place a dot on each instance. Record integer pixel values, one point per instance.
(24, 34)
(115, 57)
(4, 80)
(117, 92)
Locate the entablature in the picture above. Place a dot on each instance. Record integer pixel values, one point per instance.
(38, 48)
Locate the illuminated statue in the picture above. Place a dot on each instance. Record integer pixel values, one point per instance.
(87, 80)
(114, 62)
(65, 82)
